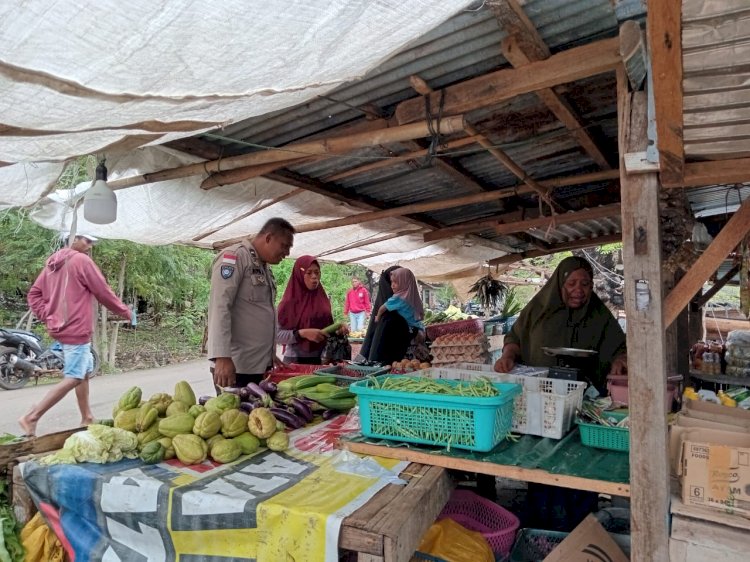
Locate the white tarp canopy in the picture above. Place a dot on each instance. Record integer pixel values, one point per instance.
(120, 79)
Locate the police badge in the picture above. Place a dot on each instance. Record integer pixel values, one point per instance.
(226, 271)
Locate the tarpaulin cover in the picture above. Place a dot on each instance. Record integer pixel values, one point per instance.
(564, 456)
(265, 506)
(120, 79)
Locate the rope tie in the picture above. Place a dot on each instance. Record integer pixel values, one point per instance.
(433, 128)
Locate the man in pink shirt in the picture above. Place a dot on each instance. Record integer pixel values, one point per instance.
(357, 305)
(63, 298)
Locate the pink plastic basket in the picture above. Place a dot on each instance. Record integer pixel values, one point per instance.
(497, 524)
(471, 326)
(617, 386)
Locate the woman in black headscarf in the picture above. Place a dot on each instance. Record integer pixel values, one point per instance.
(388, 339)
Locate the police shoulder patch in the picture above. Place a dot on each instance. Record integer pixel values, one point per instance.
(227, 271)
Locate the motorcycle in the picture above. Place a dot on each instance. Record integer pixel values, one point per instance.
(23, 355)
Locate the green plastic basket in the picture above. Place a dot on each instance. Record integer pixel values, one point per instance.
(603, 437)
(462, 422)
(352, 372)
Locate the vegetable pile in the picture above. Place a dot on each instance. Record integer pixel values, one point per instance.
(594, 411)
(481, 387)
(237, 422)
(11, 549)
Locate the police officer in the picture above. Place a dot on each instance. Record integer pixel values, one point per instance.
(241, 310)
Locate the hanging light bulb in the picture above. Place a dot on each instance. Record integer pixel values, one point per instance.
(100, 202)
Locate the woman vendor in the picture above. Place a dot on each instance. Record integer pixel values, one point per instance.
(304, 311)
(567, 313)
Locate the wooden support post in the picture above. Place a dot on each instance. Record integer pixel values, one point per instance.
(641, 237)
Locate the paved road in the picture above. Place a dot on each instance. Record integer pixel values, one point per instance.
(105, 391)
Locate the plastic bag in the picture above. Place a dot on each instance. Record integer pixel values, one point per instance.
(350, 463)
(40, 542)
(337, 349)
(448, 540)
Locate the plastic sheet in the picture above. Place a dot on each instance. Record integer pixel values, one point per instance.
(565, 456)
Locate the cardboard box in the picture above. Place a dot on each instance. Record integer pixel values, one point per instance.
(715, 472)
(589, 541)
(692, 427)
(717, 413)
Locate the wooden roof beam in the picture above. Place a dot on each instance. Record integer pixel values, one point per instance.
(390, 161)
(496, 87)
(326, 146)
(664, 26)
(723, 243)
(563, 247)
(522, 46)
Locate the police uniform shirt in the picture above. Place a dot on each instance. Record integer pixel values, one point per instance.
(241, 311)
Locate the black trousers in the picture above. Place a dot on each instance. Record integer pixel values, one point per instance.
(391, 339)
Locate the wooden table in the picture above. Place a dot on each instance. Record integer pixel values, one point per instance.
(389, 527)
(481, 467)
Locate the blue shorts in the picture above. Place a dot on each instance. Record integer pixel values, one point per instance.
(78, 360)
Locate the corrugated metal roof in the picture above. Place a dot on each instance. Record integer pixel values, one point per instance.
(717, 199)
(466, 46)
(716, 78)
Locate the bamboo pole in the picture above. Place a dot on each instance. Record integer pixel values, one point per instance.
(250, 172)
(335, 145)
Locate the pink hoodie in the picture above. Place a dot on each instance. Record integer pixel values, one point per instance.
(61, 296)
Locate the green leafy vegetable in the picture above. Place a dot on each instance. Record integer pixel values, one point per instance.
(11, 549)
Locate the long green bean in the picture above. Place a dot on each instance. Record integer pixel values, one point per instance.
(482, 387)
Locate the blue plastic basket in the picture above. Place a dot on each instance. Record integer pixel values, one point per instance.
(463, 422)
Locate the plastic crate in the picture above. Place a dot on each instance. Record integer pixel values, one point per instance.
(604, 437)
(461, 422)
(471, 326)
(534, 545)
(354, 372)
(497, 525)
(546, 407)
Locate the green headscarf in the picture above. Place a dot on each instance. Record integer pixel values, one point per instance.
(547, 322)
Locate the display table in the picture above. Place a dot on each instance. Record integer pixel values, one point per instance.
(565, 462)
(390, 525)
(171, 510)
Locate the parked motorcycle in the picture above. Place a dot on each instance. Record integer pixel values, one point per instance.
(24, 356)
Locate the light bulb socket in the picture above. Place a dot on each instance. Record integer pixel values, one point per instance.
(101, 171)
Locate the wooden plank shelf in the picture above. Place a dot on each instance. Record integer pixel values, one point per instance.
(492, 469)
(720, 379)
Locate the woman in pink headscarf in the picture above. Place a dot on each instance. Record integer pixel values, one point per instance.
(304, 311)
(398, 320)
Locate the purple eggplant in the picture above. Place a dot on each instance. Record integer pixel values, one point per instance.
(301, 409)
(268, 385)
(248, 407)
(287, 418)
(256, 390)
(231, 390)
(203, 399)
(245, 394)
(330, 414)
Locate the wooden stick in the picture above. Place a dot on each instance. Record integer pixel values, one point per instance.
(573, 245)
(336, 145)
(563, 218)
(400, 158)
(508, 162)
(249, 172)
(731, 234)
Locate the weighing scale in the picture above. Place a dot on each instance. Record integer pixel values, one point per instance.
(571, 362)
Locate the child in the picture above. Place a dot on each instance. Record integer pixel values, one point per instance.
(405, 300)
